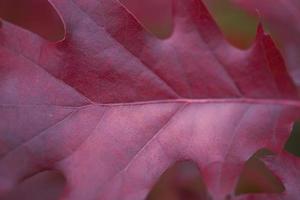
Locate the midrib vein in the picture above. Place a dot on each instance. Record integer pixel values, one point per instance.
(267, 101)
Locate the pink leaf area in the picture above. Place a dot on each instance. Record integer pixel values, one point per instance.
(112, 107)
(282, 17)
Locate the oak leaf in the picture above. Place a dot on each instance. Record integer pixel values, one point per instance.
(112, 107)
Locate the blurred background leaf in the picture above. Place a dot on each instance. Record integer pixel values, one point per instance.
(38, 16)
(238, 27)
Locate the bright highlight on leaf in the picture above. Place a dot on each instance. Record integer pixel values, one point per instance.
(112, 107)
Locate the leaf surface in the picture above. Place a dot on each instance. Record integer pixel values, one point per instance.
(286, 166)
(283, 17)
(112, 107)
(38, 16)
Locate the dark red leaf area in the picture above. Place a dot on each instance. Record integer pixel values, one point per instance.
(38, 16)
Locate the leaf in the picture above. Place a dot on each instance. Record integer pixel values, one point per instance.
(38, 16)
(286, 166)
(155, 15)
(112, 107)
(278, 15)
(257, 178)
(47, 185)
(180, 181)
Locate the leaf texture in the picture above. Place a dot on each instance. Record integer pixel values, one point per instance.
(112, 107)
(282, 17)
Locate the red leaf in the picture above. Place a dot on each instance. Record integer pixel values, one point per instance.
(38, 16)
(283, 18)
(112, 107)
(155, 15)
(286, 166)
